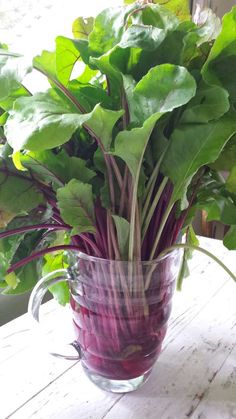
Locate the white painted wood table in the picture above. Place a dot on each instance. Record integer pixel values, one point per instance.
(195, 376)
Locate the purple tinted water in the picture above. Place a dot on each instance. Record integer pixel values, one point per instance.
(120, 345)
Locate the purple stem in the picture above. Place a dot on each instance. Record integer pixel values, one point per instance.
(32, 228)
(91, 244)
(63, 89)
(39, 254)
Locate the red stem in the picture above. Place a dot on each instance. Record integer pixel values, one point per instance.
(33, 228)
(39, 254)
(91, 244)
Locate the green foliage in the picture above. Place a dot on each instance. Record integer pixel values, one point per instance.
(138, 120)
(56, 168)
(220, 65)
(209, 140)
(48, 120)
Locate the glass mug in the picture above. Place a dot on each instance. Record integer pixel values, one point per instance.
(120, 312)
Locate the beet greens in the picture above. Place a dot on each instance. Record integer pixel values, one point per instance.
(115, 159)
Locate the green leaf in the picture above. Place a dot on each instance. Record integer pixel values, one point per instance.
(3, 118)
(110, 64)
(227, 159)
(209, 140)
(68, 52)
(210, 102)
(59, 291)
(219, 68)
(101, 122)
(17, 195)
(47, 120)
(231, 181)
(13, 70)
(108, 29)
(58, 65)
(27, 278)
(28, 275)
(122, 229)
(82, 27)
(144, 37)
(130, 145)
(179, 7)
(230, 238)
(57, 168)
(159, 17)
(8, 103)
(184, 272)
(89, 96)
(162, 89)
(75, 201)
(46, 63)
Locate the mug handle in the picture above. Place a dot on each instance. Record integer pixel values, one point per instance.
(35, 301)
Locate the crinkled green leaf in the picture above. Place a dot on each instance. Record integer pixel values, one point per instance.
(75, 201)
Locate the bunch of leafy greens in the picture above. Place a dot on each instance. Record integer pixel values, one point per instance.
(115, 158)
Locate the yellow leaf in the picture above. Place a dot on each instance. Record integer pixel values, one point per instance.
(17, 161)
(12, 280)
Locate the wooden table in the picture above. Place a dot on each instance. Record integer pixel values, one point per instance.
(195, 376)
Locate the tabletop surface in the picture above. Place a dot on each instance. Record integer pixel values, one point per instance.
(195, 376)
